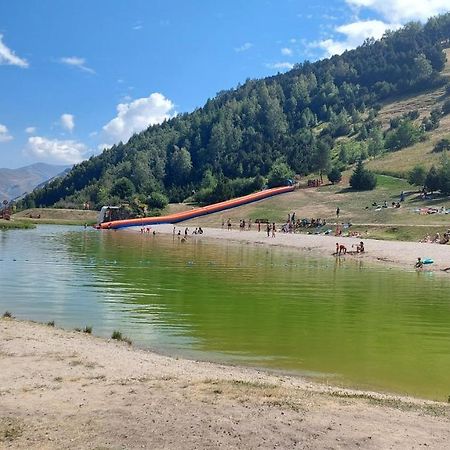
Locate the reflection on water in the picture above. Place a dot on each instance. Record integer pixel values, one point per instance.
(345, 322)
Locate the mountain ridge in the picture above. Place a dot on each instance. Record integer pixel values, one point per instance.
(17, 182)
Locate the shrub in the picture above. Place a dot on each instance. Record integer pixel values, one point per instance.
(87, 329)
(441, 145)
(279, 174)
(446, 107)
(51, 323)
(417, 176)
(432, 181)
(7, 315)
(117, 335)
(362, 179)
(156, 200)
(334, 175)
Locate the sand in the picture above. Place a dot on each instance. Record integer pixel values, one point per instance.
(65, 389)
(389, 253)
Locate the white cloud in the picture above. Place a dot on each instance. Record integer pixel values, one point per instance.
(68, 121)
(30, 130)
(79, 63)
(244, 47)
(138, 115)
(8, 57)
(355, 33)
(4, 134)
(55, 150)
(286, 51)
(403, 10)
(280, 66)
(394, 12)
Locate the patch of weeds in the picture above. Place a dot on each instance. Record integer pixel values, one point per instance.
(252, 384)
(118, 336)
(87, 329)
(7, 315)
(51, 323)
(76, 362)
(78, 329)
(58, 379)
(10, 429)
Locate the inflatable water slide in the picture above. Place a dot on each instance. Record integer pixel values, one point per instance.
(197, 212)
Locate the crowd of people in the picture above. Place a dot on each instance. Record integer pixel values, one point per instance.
(437, 238)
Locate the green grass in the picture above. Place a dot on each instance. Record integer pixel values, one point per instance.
(398, 232)
(117, 335)
(16, 225)
(355, 206)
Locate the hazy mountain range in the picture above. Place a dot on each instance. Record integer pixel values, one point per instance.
(16, 182)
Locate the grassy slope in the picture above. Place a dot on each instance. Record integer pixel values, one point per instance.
(404, 160)
(391, 223)
(56, 216)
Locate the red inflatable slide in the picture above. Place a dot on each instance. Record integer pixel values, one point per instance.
(197, 212)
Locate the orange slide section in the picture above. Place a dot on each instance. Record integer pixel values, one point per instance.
(197, 212)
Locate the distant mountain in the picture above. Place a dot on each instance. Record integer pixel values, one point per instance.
(16, 182)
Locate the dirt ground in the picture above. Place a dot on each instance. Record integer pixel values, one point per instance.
(65, 389)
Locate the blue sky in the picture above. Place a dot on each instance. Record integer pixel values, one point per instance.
(78, 76)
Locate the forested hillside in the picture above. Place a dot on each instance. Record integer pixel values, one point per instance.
(299, 122)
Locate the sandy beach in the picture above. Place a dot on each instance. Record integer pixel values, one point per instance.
(66, 389)
(390, 253)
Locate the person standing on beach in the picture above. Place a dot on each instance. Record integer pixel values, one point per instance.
(338, 211)
(268, 229)
(229, 224)
(273, 229)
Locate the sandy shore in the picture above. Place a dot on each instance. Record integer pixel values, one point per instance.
(391, 253)
(65, 389)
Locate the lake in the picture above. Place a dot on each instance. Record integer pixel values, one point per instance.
(339, 321)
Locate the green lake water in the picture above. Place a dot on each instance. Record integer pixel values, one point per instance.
(339, 321)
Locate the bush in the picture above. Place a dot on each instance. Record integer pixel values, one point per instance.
(279, 174)
(87, 329)
(362, 179)
(156, 200)
(406, 134)
(117, 335)
(441, 145)
(446, 107)
(432, 181)
(417, 176)
(334, 175)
